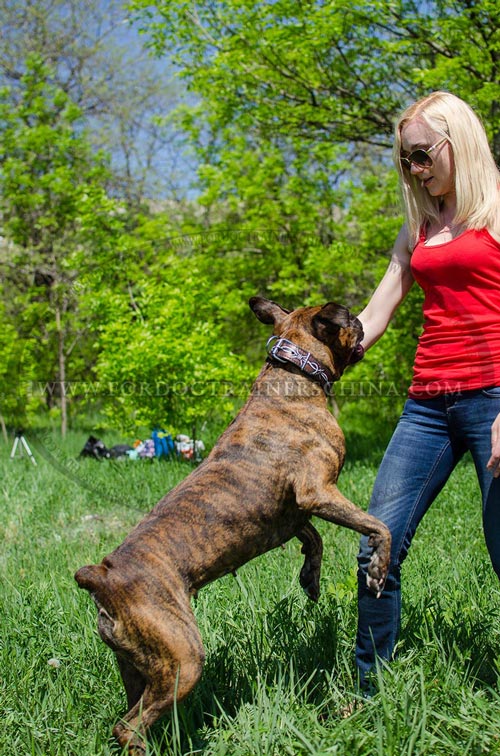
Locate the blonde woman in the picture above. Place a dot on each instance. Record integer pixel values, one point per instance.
(449, 245)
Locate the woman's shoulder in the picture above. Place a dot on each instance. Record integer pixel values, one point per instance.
(403, 247)
(494, 228)
(403, 240)
(494, 232)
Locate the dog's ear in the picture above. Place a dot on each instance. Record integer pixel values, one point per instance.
(329, 320)
(266, 311)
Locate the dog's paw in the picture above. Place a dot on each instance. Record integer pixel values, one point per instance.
(127, 738)
(379, 563)
(375, 585)
(312, 548)
(309, 580)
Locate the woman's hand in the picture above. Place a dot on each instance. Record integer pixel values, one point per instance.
(494, 461)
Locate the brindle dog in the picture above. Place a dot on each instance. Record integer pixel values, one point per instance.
(274, 467)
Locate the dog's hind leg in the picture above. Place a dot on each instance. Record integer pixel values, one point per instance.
(134, 683)
(312, 548)
(169, 685)
(169, 671)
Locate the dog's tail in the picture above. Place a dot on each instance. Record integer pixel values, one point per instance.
(91, 577)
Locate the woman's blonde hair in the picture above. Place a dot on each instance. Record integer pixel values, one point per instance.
(477, 178)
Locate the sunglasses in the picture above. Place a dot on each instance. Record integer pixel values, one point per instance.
(420, 158)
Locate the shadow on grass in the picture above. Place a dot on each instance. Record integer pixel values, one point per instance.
(448, 636)
(293, 648)
(299, 649)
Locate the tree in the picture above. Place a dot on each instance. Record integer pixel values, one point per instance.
(51, 189)
(293, 126)
(98, 60)
(289, 109)
(329, 71)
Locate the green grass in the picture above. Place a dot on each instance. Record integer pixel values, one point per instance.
(278, 668)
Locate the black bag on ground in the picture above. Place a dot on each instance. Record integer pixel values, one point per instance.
(95, 448)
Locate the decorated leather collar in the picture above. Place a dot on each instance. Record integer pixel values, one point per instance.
(285, 351)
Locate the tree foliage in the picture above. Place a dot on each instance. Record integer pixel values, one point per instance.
(51, 191)
(288, 110)
(294, 124)
(96, 58)
(329, 71)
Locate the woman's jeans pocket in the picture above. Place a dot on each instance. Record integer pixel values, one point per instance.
(493, 392)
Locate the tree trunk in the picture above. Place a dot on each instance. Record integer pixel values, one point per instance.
(4, 430)
(62, 372)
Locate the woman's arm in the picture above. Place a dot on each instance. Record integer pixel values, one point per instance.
(392, 289)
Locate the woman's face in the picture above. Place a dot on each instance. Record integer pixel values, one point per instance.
(439, 178)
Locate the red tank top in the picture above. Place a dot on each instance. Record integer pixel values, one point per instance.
(459, 348)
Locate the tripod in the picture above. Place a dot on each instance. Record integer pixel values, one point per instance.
(23, 448)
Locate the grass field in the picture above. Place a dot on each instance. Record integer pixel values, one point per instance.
(279, 668)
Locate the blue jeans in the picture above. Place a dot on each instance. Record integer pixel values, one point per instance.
(431, 437)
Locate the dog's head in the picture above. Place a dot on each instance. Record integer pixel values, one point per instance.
(329, 332)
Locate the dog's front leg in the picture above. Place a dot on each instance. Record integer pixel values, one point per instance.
(328, 503)
(312, 548)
